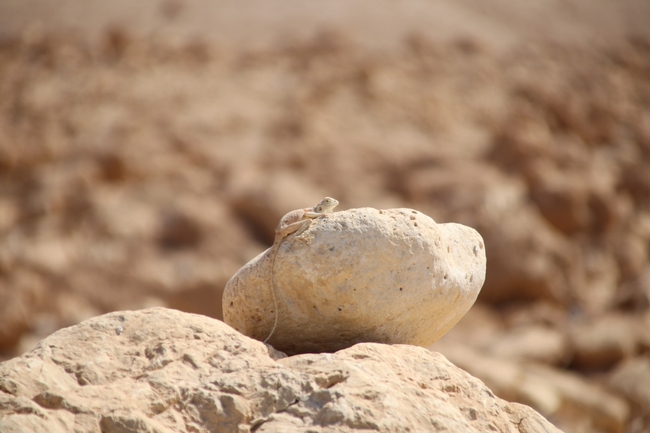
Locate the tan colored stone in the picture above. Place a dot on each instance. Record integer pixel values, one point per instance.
(632, 379)
(20, 302)
(602, 341)
(534, 343)
(164, 371)
(570, 400)
(362, 275)
(499, 207)
(88, 172)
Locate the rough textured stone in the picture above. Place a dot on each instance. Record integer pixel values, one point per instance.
(557, 394)
(103, 137)
(632, 379)
(362, 275)
(602, 342)
(165, 371)
(537, 343)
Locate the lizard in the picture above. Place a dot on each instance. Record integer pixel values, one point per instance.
(294, 222)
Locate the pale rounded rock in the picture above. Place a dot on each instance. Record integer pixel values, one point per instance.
(362, 275)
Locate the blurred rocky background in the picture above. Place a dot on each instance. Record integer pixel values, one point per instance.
(148, 150)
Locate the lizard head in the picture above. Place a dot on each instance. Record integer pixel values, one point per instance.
(326, 205)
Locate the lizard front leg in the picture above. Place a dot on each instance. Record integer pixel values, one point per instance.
(297, 227)
(307, 222)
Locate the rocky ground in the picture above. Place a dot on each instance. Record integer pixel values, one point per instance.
(166, 371)
(144, 169)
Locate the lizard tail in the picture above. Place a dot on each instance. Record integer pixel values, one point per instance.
(275, 301)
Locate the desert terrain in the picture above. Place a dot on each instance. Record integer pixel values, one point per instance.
(148, 150)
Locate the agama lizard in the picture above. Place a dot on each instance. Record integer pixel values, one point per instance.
(295, 222)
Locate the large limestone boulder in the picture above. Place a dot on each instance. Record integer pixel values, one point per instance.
(164, 371)
(362, 275)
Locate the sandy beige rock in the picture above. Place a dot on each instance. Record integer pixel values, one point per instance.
(164, 371)
(20, 302)
(535, 343)
(632, 379)
(601, 342)
(362, 275)
(499, 207)
(571, 401)
(103, 137)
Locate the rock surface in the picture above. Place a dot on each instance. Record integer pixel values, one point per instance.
(161, 370)
(631, 378)
(141, 170)
(362, 275)
(558, 394)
